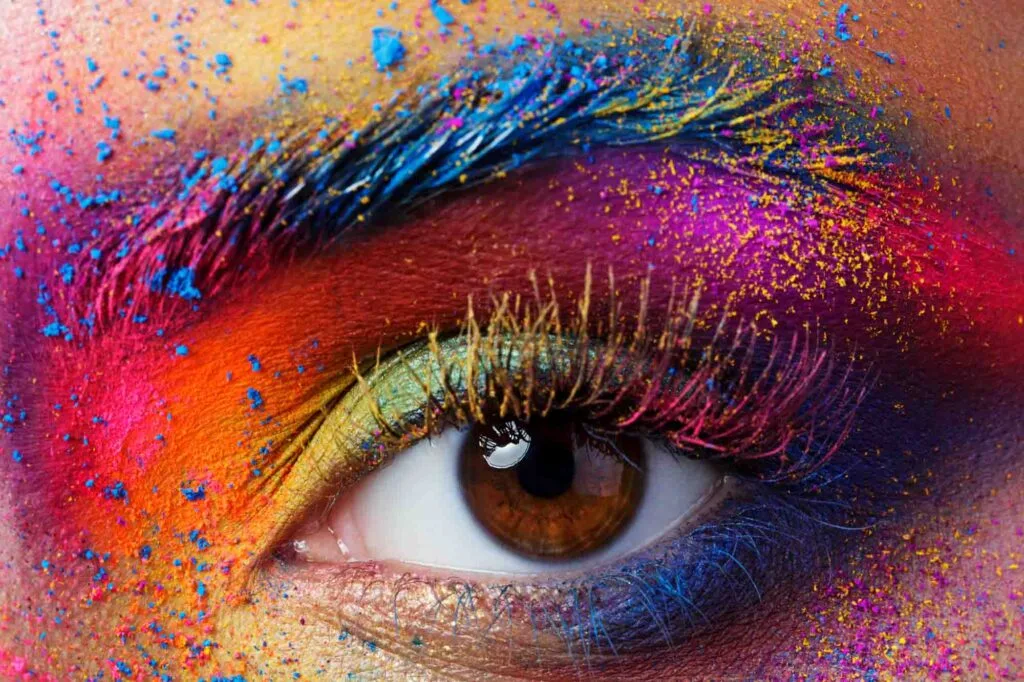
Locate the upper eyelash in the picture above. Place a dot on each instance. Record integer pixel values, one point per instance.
(718, 391)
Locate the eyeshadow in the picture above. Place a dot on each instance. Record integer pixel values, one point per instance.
(157, 434)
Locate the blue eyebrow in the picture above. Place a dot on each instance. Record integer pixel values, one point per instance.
(489, 117)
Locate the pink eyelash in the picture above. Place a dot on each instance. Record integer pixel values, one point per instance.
(722, 390)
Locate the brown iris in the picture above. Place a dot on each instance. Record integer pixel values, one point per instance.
(548, 488)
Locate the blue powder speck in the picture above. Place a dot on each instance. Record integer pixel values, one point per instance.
(167, 134)
(182, 283)
(54, 329)
(255, 399)
(291, 85)
(103, 151)
(443, 16)
(219, 165)
(116, 491)
(194, 494)
(387, 47)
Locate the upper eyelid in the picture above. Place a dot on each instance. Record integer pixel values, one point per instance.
(276, 195)
(796, 386)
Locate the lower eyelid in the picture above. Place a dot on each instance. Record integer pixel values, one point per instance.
(683, 589)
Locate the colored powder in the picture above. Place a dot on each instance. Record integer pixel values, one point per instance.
(255, 399)
(167, 134)
(443, 16)
(387, 47)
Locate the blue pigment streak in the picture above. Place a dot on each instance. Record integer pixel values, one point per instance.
(575, 98)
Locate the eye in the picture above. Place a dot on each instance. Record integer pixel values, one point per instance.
(551, 495)
(526, 450)
(622, 487)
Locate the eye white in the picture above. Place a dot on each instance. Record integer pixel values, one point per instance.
(413, 511)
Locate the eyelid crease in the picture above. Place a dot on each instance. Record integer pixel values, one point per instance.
(483, 121)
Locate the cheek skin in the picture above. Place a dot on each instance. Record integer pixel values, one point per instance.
(319, 313)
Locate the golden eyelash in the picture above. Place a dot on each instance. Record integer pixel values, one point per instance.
(708, 389)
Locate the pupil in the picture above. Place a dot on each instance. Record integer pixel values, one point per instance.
(548, 468)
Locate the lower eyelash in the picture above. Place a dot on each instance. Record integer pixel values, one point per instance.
(709, 575)
(713, 390)
(675, 593)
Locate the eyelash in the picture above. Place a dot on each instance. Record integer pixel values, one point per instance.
(778, 411)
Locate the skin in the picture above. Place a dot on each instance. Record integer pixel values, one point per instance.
(947, 54)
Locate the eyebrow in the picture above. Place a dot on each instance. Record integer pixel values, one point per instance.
(508, 107)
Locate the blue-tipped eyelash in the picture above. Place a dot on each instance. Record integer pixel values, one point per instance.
(714, 574)
(486, 119)
(706, 578)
